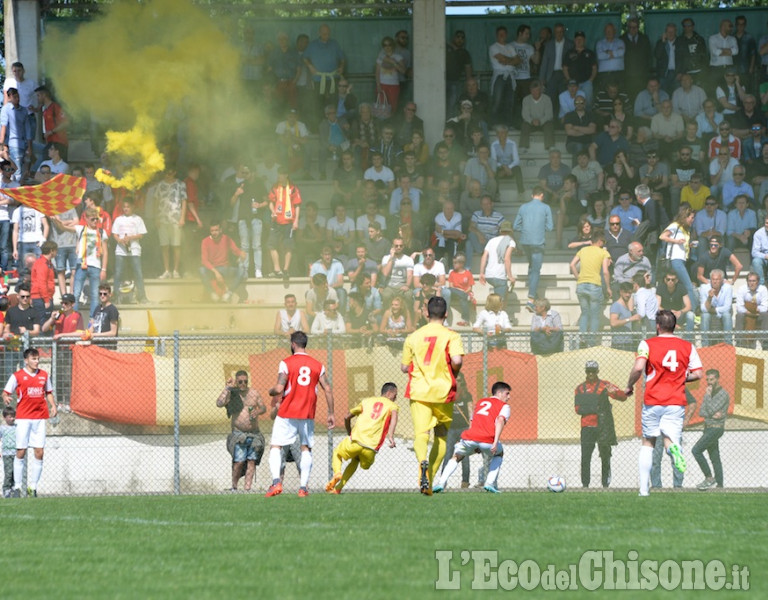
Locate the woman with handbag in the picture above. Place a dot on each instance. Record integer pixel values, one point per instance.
(677, 237)
(389, 66)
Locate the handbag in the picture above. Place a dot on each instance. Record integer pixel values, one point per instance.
(381, 108)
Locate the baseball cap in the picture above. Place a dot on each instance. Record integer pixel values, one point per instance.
(505, 226)
(573, 82)
(592, 366)
(68, 298)
(579, 34)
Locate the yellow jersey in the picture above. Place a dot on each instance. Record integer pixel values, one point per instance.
(427, 353)
(373, 416)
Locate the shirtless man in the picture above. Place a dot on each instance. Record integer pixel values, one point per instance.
(245, 443)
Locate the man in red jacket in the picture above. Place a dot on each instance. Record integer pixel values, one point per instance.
(217, 273)
(43, 282)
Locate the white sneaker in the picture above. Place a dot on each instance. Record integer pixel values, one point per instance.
(166, 275)
(176, 275)
(226, 297)
(258, 274)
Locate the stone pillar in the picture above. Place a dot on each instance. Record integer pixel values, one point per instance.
(429, 66)
(22, 36)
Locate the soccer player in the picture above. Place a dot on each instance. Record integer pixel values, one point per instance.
(376, 419)
(488, 420)
(668, 363)
(297, 379)
(33, 389)
(432, 357)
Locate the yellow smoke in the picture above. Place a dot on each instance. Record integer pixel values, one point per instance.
(150, 72)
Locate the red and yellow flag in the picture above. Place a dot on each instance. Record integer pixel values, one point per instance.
(53, 197)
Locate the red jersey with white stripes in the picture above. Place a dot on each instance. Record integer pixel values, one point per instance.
(32, 389)
(483, 427)
(300, 394)
(669, 360)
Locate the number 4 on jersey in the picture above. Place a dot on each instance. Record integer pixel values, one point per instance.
(670, 360)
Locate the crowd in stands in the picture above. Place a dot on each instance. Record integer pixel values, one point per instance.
(664, 176)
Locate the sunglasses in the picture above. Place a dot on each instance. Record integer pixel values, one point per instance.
(714, 245)
(239, 381)
(614, 223)
(670, 279)
(103, 293)
(22, 296)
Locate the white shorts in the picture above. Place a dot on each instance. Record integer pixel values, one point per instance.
(285, 432)
(663, 420)
(30, 433)
(466, 447)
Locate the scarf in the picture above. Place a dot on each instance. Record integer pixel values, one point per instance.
(82, 246)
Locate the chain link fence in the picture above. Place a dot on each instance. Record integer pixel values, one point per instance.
(139, 415)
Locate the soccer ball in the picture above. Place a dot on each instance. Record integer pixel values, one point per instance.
(556, 484)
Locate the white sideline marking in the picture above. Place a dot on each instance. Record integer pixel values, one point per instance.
(134, 521)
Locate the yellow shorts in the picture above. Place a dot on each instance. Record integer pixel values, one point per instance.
(428, 415)
(347, 450)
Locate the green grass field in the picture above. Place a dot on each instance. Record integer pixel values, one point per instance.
(356, 545)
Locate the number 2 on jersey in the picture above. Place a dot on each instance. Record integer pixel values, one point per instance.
(670, 360)
(431, 340)
(484, 408)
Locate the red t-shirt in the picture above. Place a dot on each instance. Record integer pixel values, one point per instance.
(669, 360)
(483, 427)
(31, 388)
(285, 199)
(300, 395)
(68, 323)
(462, 281)
(53, 115)
(216, 254)
(192, 199)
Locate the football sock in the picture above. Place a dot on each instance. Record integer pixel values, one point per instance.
(348, 472)
(336, 461)
(275, 463)
(35, 470)
(644, 463)
(436, 456)
(448, 470)
(18, 471)
(306, 467)
(493, 471)
(420, 443)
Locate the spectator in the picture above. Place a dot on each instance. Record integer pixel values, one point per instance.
(622, 316)
(718, 257)
(389, 66)
(688, 100)
(55, 162)
(127, 230)
(721, 170)
(623, 170)
(483, 168)
(598, 212)
(742, 223)
(716, 300)
(443, 169)
(551, 69)
(370, 295)
(671, 295)
(318, 294)
(325, 60)
(504, 154)
(546, 329)
(630, 264)
(583, 237)
(362, 264)
(106, 318)
(496, 262)
(579, 128)
(747, 118)
(581, 64)
(54, 122)
(412, 168)
(333, 271)
(653, 219)
(760, 252)
(423, 291)
(692, 140)
(533, 221)
(503, 62)
(729, 92)
(396, 272)
(537, 115)
(751, 310)
(290, 318)
(464, 124)
(461, 282)
(677, 237)
(630, 214)
(458, 66)
(710, 221)
(619, 113)
(332, 140)
(610, 57)
(645, 302)
(552, 175)
(655, 174)
(347, 181)
(617, 239)
(669, 53)
(407, 124)
(607, 144)
(64, 322)
(725, 139)
(376, 245)
(448, 232)
(649, 101)
(714, 409)
(170, 202)
(527, 55)
(247, 207)
(709, 120)
(30, 230)
(16, 132)
(293, 136)
(758, 172)
(752, 147)
(484, 225)
(587, 266)
(19, 320)
(310, 234)
(329, 320)
(285, 209)
(493, 322)
(694, 49)
(403, 191)
(481, 103)
(567, 99)
(92, 256)
(285, 65)
(396, 322)
(43, 283)
(571, 208)
(340, 227)
(364, 134)
(359, 321)
(737, 187)
(219, 276)
(667, 127)
(722, 48)
(378, 172)
(680, 176)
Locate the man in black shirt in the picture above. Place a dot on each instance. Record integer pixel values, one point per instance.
(19, 319)
(671, 295)
(105, 318)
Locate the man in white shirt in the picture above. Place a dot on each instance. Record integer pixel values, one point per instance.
(722, 48)
(503, 61)
(379, 172)
(751, 309)
(716, 300)
(448, 232)
(127, 230)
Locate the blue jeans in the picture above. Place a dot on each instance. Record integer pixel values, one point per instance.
(758, 266)
(41, 312)
(17, 156)
(138, 276)
(464, 304)
(586, 87)
(706, 325)
(535, 256)
(93, 274)
(66, 259)
(680, 269)
(27, 248)
(5, 243)
(233, 276)
(658, 455)
(499, 286)
(591, 302)
(471, 246)
(250, 238)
